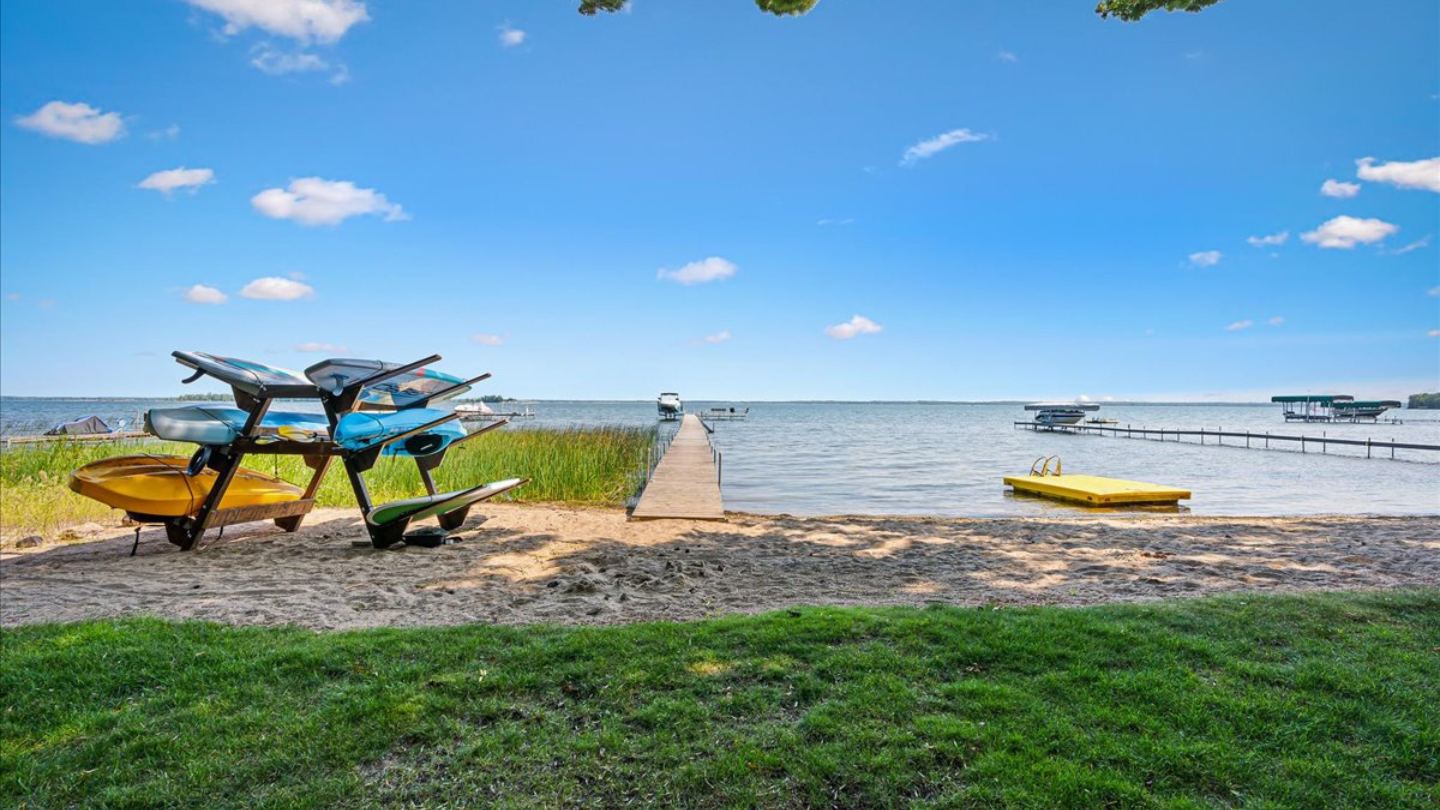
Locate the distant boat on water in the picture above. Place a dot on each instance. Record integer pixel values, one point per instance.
(1331, 407)
(480, 412)
(669, 406)
(1060, 413)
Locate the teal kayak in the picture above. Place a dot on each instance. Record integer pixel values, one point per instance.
(365, 429)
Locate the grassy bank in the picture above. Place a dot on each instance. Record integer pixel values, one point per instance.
(594, 466)
(1257, 702)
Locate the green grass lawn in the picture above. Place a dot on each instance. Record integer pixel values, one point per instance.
(1312, 701)
(599, 466)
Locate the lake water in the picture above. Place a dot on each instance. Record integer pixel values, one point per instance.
(948, 459)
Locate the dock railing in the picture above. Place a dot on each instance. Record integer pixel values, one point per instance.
(1253, 440)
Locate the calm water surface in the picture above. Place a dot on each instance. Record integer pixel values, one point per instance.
(947, 459)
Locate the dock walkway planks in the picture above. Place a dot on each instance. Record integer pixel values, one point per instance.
(686, 483)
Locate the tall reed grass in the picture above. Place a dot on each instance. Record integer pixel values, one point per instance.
(601, 466)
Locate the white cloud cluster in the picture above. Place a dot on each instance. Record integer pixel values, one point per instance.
(1347, 232)
(317, 347)
(718, 337)
(166, 182)
(1205, 258)
(939, 143)
(1276, 321)
(1335, 188)
(1422, 174)
(201, 294)
(303, 20)
(485, 339)
(74, 122)
(511, 37)
(272, 288)
(1272, 240)
(858, 325)
(1007, 56)
(1238, 325)
(701, 272)
(277, 63)
(315, 201)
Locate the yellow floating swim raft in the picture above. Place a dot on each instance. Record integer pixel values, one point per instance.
(1092, 490)
(158, 486)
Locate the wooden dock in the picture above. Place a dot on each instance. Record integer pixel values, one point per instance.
(686, 482)
(1251, 439)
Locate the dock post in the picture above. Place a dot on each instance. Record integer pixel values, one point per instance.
(1367, 447)
(1324, 445)
(1247, 439)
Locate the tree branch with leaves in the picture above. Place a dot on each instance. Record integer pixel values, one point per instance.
(1128, 10)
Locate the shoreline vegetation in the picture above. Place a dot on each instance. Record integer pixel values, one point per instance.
(598, 466)
(1319, 700)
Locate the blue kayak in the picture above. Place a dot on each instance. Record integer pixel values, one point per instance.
(218, 426)
(364, 429)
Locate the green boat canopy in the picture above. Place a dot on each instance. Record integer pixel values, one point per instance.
(1320, 399)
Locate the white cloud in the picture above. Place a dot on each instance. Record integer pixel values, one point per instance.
(1433, 291)
(277, 63)
(1418, 244)
(824, 222)
(1433, 333)
(271, 288)
(705, 270)
(1335, 188)
(1347, 232)
(939, 143)
(1276, 321)
(169, 133)
(303, 20)
(167, 181)
(316, 347)
(1205, 258)
(858, 325)
(1267, 241)
(74, 122)
(314, 201)
(1424, 174)
(201, 294)
(1007, 56)
(487, 340)
(1238, 325)
(718, 337)
(511, 37)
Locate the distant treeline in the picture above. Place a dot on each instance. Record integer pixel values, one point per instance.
(1425, 401)
(488, 398)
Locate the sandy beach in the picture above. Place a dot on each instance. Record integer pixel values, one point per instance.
(521, 564)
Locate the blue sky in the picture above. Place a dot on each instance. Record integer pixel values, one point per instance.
(525, 190)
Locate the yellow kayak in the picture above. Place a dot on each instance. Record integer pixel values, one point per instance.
(157, 486)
